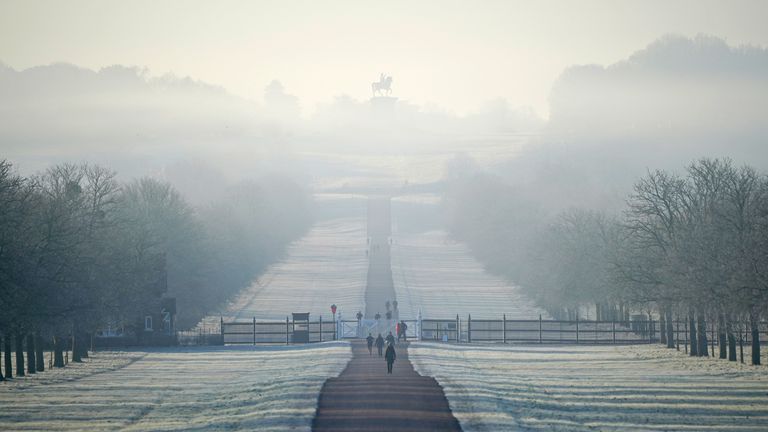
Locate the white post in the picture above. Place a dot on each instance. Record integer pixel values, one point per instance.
(339, 331)
(418, 326)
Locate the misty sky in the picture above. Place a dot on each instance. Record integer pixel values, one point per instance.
(456, 55)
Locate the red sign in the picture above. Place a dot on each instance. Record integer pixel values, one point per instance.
(333, 309)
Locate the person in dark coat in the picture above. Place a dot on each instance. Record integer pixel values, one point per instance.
(369, 339)
(380, 344)
(390, 339)
(390, 357)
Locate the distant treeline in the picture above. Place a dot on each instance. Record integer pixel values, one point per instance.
(80, 251)
(690, 247)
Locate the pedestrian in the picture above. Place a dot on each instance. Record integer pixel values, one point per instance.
(390, 357)
(397, 331)
(380, 344)
(390, 339)
(403, 329)
(369, 339)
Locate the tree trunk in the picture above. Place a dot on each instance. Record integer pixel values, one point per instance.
(85, 345)
(731, 340)
(75, 349)
(79, 344)
(741, 345)
(39, 356)
(755, 328)
(19, 354)
(2, 378)
(702, 331)
(58, 352)
(721, 337)
(7, 356)
(694, 340)
(662, 326)
(670, 330)
(31, 356)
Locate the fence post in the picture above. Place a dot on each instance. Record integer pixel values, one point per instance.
(321, 328)
(504, 328)
(540, 339)
(577, 326)
(221, 329)
(337, 329)
(458, 329)
(254, 331)
(469, 328)
(287, 332)
(613, 329)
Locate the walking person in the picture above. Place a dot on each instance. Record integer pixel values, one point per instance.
(390, 357)
(369, 339)
(403, 329)
(390, 339)
(380, 344)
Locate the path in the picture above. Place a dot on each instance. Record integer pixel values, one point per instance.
(379, 289)
(365, 398)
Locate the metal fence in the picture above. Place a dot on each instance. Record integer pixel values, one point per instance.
(463, 330)
(537, 331)
(460, 330)
(276, 332)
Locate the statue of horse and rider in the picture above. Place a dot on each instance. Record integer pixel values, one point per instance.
(383, 87)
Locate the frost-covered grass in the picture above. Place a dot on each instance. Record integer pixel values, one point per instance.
(327, 266)
(438, 275)
(246, 388)
(493, 388)
(95, 364)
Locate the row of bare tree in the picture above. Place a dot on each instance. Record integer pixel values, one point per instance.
(80, 250)
(689, 247)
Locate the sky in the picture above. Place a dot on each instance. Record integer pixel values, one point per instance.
(447, 55)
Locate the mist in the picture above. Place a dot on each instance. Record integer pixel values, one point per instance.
(291, 215)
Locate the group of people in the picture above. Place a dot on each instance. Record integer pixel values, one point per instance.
(389, 354)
